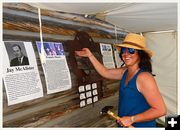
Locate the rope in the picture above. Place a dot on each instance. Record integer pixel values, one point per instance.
(42, 54)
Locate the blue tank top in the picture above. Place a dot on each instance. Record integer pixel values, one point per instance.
(131, 101)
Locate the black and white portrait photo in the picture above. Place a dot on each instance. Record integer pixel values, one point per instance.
(17, 53)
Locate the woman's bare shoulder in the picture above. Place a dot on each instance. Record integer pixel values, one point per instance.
(145, 75)
(146, 81)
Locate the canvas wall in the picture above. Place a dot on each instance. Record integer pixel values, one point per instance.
(164, 62)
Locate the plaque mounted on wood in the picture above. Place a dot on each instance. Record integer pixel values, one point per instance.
(82, 67)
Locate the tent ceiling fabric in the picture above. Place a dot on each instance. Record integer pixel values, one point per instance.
(134, 17)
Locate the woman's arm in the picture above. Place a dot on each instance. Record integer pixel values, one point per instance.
(150, 91)
(115, 74)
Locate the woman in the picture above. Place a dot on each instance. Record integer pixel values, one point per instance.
(140, 101)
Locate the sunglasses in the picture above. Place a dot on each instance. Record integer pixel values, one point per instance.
(130, 50)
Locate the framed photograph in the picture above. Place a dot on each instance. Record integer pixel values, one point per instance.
(95, 92)
(88, 87)
(95, 99)
(94, 86)
(88, 94)
(82, 96)
(82, 103)
(89, 100)
(81, 89)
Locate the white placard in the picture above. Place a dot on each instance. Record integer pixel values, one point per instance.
(57, 74)
(118, 60)
(20, 73)
(106, 51)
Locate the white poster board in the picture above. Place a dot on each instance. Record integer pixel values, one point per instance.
(118, 60)
(106, 51)
(57, 74)
(21, 77)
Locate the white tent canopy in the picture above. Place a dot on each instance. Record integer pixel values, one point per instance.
(134, 17)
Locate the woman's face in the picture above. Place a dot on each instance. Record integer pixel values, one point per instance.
(130, 56)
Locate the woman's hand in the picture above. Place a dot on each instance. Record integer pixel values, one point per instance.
(85, 52)
(125, 121)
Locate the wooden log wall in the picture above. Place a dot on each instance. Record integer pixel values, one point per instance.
(20, 23)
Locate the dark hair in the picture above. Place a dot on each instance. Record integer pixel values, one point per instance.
(145, 61)
(16, 45)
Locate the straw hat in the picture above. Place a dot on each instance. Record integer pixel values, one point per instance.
(135, 41)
